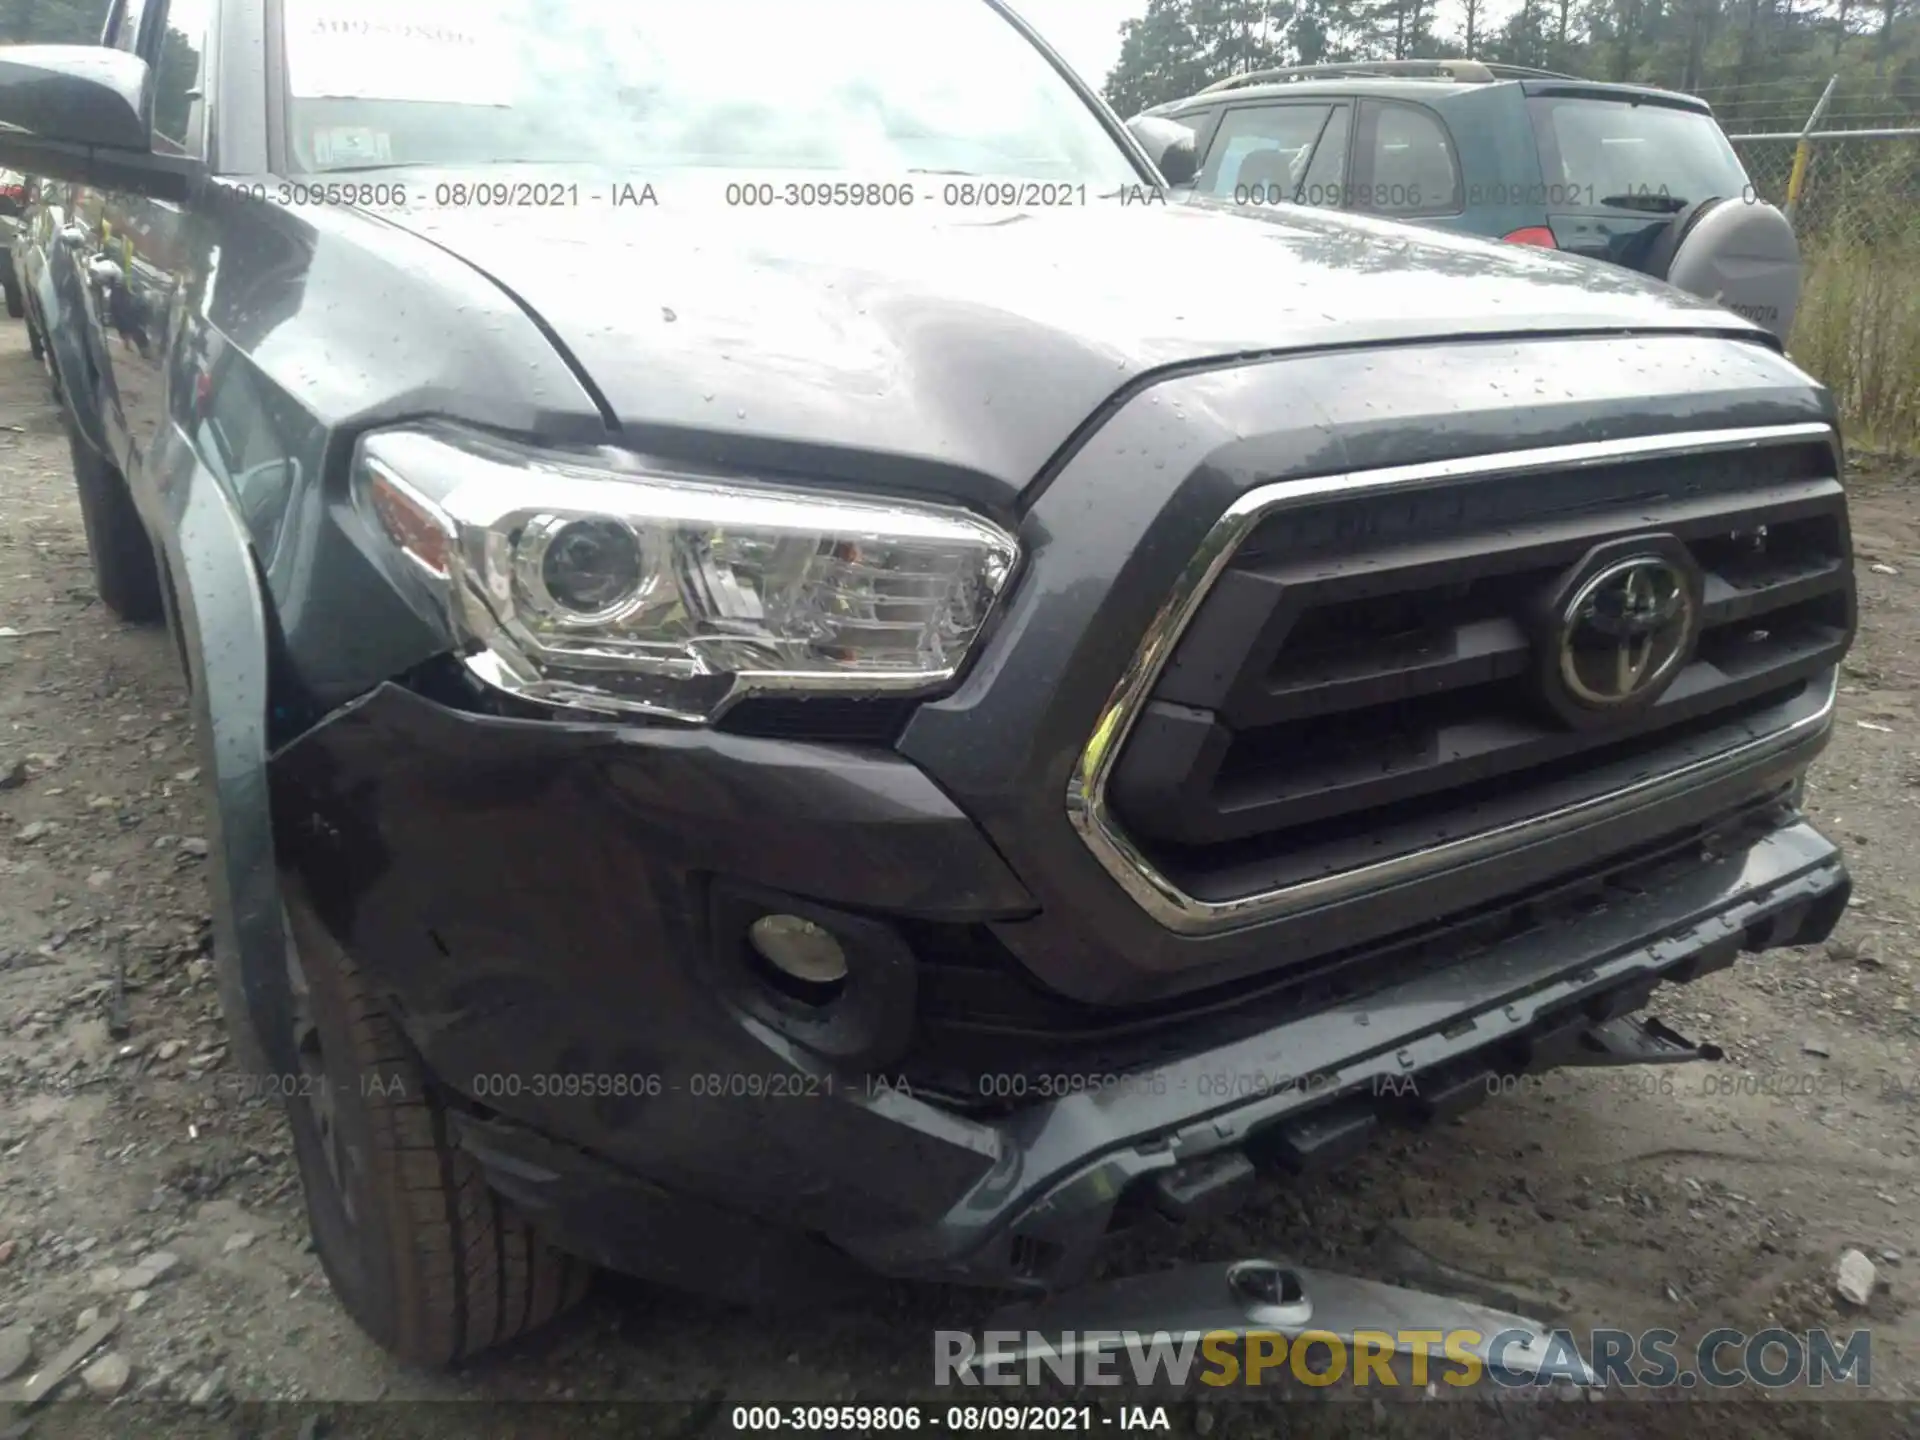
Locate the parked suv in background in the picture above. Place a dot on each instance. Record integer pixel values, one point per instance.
(1629, 174)
(35, 235)
(798, 676)
(13, 204)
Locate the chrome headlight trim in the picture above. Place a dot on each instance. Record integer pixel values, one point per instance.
(737, 579)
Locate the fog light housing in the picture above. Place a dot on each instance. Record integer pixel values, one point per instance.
(839, 985)
(799, 949)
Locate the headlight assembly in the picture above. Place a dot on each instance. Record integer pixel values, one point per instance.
(583, 582)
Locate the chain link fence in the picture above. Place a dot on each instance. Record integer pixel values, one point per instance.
(1846, 168)
(1855, 201)
(1859, 187)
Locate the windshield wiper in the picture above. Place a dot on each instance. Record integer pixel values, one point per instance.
(1658, 204)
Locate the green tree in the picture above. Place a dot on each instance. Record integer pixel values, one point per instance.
(1159, 59)
(179, 73)
(1763, 63)
(52, 22)
(1180, 46)
(1524, 39)
(1392, 30)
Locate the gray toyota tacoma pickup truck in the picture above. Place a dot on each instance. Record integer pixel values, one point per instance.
(798, 677)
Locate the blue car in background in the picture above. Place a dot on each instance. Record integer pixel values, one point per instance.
(1628, 174)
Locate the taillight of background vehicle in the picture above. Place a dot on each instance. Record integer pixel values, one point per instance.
(1530, 235)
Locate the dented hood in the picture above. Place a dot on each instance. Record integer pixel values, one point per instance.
(985, 338)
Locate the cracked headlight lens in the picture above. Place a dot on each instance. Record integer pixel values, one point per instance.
(595, 581)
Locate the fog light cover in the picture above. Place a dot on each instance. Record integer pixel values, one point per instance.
(799, 949)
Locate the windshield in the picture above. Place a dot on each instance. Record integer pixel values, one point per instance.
(1609, 154)
(635, 86)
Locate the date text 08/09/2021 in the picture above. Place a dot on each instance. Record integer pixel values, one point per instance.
(1647, 1083)
(949, 1419)
(743, 1085)
(971, 193)
(739, 194)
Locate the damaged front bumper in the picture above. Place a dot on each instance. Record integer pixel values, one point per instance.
(536, 896)
(1325, 1082)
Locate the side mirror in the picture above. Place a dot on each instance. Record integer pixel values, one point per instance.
(84, 112)
(1169, 144)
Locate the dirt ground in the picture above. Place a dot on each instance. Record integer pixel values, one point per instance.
(1688, 1197)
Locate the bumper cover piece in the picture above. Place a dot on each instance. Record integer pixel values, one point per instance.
(1627, 1041)
(1266, 1298)
(1063, 1166)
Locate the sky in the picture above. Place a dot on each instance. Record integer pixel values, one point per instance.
(1087, 32)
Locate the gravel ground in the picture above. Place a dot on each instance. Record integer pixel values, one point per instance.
(138, 1185)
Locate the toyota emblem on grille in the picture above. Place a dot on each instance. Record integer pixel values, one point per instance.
(1625, 632)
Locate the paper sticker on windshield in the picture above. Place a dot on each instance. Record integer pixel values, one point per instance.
(351, 145)
(395, 50)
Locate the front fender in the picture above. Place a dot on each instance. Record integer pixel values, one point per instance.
(226, 638)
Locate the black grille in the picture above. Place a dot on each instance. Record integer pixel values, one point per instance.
(1360, 682)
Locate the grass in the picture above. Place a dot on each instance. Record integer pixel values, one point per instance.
(1858, 332)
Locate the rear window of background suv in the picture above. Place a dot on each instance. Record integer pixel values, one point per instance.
(1593, 150)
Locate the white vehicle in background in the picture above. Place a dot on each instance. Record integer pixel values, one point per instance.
(13, 202)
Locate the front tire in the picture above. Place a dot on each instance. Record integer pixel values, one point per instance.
(16, 302)
(124, 573)
(424, 1256)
